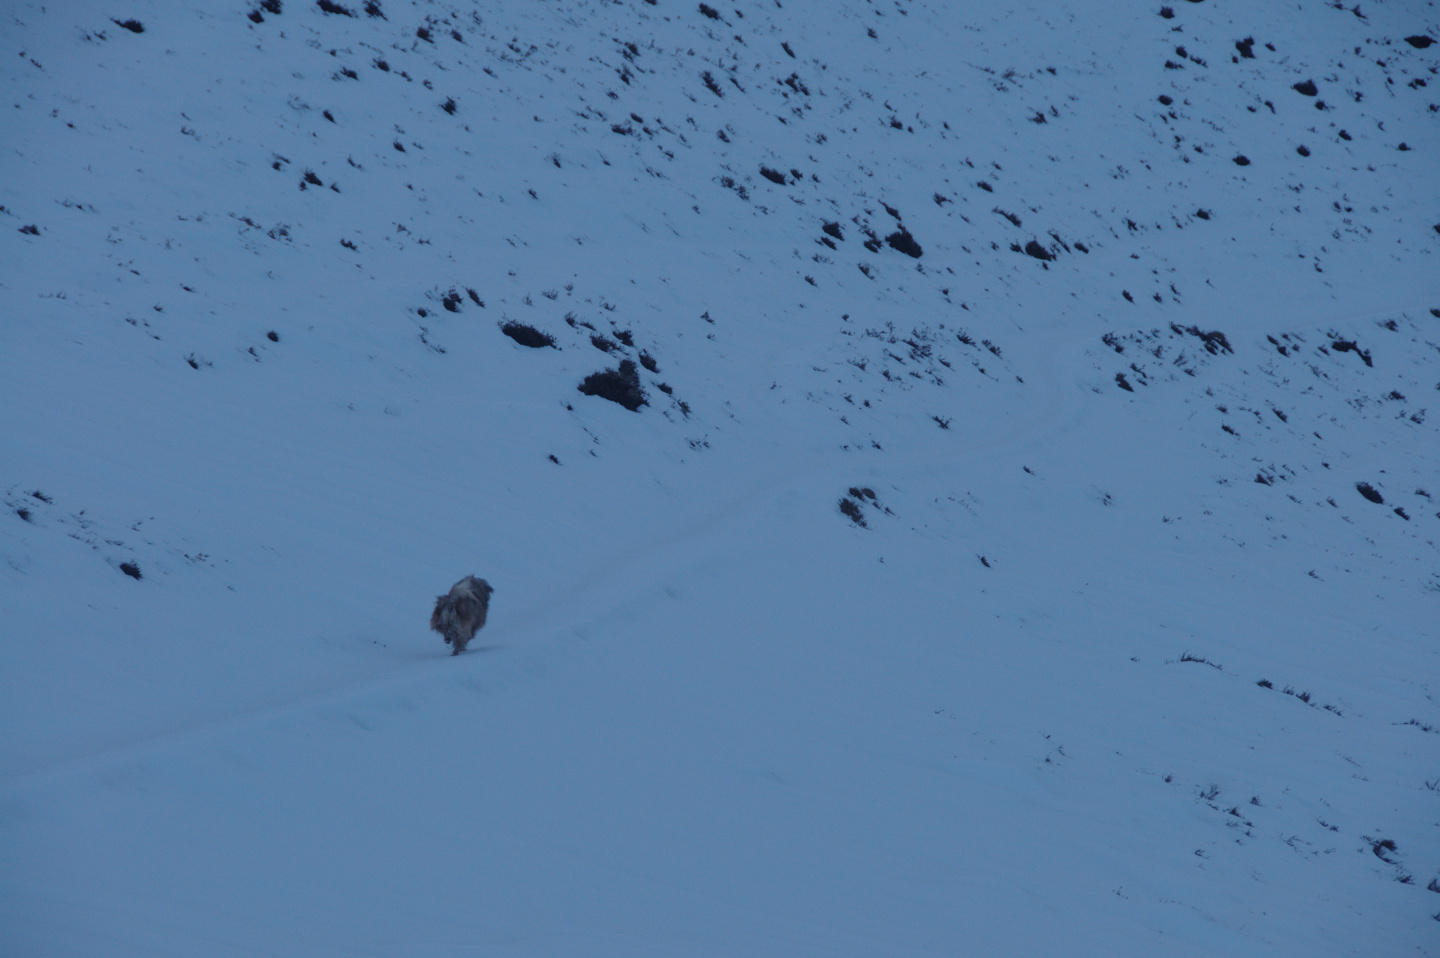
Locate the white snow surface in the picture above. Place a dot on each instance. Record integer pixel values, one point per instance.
(1119, 671)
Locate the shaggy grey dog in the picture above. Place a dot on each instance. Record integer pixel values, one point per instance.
(460, 613)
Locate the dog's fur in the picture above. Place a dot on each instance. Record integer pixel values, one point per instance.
(460, 613)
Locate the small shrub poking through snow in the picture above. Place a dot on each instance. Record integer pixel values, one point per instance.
(1034, 249)
(620, 385)
(130, 569)
(903, 242)
(527, 335)
(851, 508)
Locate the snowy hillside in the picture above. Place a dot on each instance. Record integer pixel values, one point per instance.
(1015, 532)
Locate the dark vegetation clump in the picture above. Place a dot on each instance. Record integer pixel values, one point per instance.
(273, 336)
(130, 569)
(1244, 46)
(1242, 160)
(903, 242)
(774, 176)
(1215, 341)
(1038, 251)
(833, 229)
(270, 6)
(617, 385)
(711, 85)
(330, 7)
(372, 9)
(851, 508)
(1348, 346)
(449, 105)
(527, 335)
(1419, 42)
(30, 230)
(451, 301)
(709, 11)
(1368, 491)
(134, 26)
(1306, 88)
(649, 363)
(1167, 12)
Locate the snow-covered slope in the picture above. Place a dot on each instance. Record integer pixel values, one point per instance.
(1027, 544)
